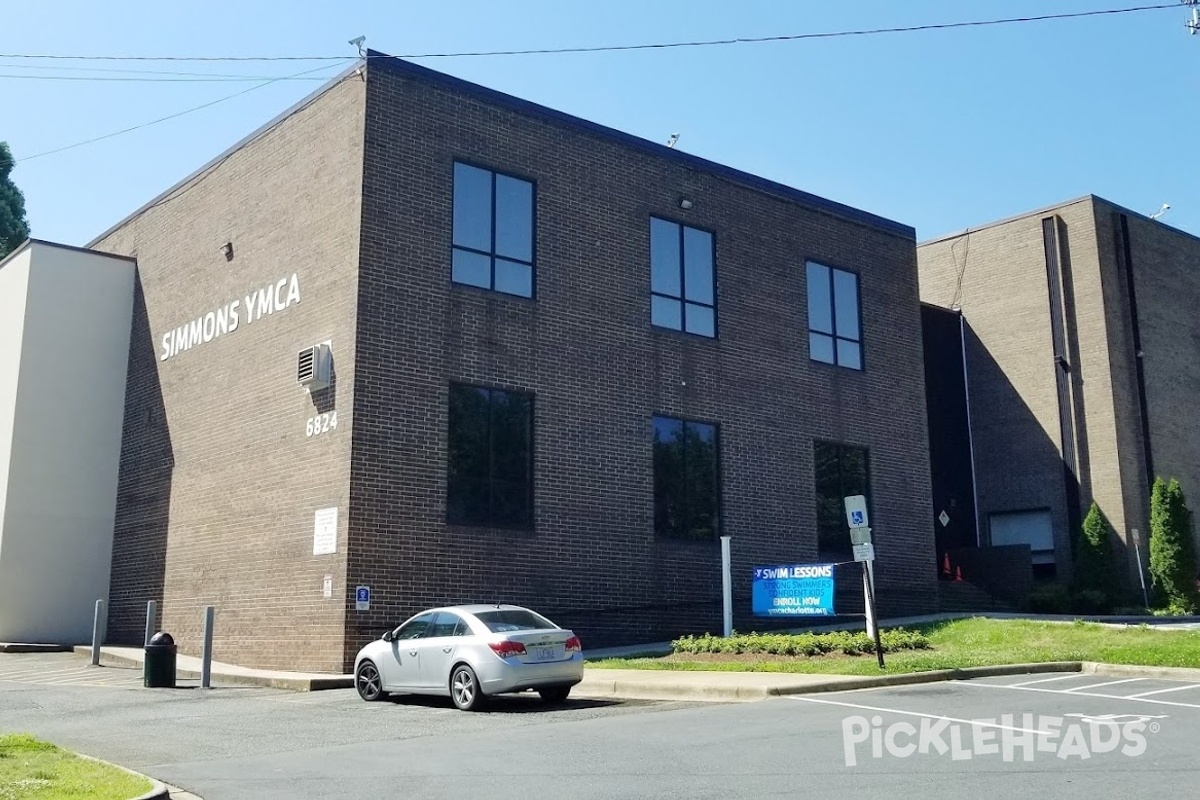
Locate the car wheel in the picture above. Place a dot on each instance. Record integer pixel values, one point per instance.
(368, 682)
(555, 695)
(464, 689)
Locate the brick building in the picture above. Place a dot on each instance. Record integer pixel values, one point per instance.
(1083, 357)
(562, 360)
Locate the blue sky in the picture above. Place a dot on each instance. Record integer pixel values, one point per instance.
(942, 130)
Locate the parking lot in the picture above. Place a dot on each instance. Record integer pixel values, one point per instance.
(1068, 735)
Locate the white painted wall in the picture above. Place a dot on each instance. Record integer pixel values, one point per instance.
(14, 282)
(57, 525)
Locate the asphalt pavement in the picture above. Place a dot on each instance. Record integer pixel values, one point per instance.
(1081, 738)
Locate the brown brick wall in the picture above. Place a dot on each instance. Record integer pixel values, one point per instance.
(998, 276)
(586, 350)
(219, 482)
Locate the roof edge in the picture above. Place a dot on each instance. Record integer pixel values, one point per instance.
(229, 151)
(529, 108)
(28, 243)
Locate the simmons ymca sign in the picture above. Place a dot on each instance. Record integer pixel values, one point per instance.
(264, 302)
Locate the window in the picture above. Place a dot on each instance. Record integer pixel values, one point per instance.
(415, 628)
(447, 624)
(686, 493)
(512, 619)
(490, 459)
(834, 321)
(682, 288)
(493, 231)
(840, 471)
(1033, 528)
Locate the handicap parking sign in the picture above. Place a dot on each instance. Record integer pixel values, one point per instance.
(362, 598)
(856, 511)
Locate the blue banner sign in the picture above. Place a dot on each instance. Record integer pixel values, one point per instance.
(793, 590)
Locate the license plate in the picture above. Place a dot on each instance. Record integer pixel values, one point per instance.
(547, 653)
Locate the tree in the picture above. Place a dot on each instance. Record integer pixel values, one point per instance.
(14, 228)
(1172, 551)
(1093, 553)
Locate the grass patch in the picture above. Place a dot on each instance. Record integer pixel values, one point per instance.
(34, 770)
(959, 643)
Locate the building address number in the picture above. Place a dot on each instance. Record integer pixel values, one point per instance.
(322, 423)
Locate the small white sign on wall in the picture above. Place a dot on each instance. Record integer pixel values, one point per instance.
(325, 531)
(327, 587)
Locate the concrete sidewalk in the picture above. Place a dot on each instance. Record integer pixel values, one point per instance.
(188, 667)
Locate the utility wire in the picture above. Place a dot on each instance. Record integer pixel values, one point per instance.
(616, 48)
(175, 115)
(209, 79)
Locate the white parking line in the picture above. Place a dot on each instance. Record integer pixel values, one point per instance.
(1077, 694)
(1172, 689)
(975, 722)
(1047, 680)
(1098, 685)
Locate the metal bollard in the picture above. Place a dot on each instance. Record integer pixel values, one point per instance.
(98, 625)
(206, 652)
(151, 608)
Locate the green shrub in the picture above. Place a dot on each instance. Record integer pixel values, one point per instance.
(1090, 601)
(1094, 571)
(1172, 551)
(803, 644)
(1051, 598)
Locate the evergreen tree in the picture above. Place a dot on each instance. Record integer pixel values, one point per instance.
(1172, 551)
(1093, 554)
(14, 229)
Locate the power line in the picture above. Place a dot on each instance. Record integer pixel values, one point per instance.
(654, 46)
(175, 115)
(209, 79)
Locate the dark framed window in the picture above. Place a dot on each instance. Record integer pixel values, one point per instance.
(493, 231)
(834, 316)
(683, 293)
(686, 485)
(489, 471)
(840, 471)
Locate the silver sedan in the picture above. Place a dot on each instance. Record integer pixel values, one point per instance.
(469, 653)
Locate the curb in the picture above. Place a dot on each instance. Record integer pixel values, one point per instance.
(293, 684)
(158, 789)
(639, 690)
(12, 647)
(1187, 674)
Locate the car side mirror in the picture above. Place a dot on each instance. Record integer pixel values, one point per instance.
(387, 636)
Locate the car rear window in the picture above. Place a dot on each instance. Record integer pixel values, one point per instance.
(504, 620)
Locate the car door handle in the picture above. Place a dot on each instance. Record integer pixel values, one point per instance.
(412, 653)
(447, 649)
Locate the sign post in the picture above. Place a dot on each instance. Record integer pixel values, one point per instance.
(726, 588)
(864, 552)
(1137, 550)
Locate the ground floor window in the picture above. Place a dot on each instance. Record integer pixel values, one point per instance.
(1033, 528)
(686, 486)
(840, 471)
(489, 472)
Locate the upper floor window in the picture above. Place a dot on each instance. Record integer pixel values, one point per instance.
(834, 318)
(493, 231)
(682, 286)
(839, 471)
(489, 465)
(686, 488)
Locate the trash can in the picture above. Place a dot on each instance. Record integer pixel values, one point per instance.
(158, 671)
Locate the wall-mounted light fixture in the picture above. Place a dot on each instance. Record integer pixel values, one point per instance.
(227, 249)
(685, 203)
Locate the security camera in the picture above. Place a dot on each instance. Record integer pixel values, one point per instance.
(358, 41)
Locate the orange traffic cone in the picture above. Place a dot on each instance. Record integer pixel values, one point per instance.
(946, 565)
(958, 575)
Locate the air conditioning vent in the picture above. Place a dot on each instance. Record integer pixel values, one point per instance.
(313, 367)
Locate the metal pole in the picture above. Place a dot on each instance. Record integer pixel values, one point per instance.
(151, 609)
(868, 596)
(98, 624)
(1141, 574)
(206, 652)
(726, 587)
(873, 629)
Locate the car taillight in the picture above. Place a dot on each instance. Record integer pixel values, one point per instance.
(573, 645)
(506, 648)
